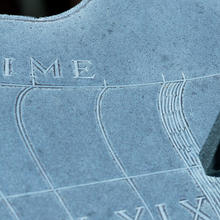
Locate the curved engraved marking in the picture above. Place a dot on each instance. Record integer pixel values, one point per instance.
(30, 148)
(172, 100)
(13, 212)
(113, 154)
(185, 144)
(50, 86)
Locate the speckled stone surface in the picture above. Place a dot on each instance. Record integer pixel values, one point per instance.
(105, 109)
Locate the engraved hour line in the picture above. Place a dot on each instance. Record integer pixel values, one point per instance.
(124, 216)
(48, 86)
(202, 77)
(12, 211)
(31, 150)
(174, 145)
(209, 186)
(111, 151)
(195, 210)
(64, 188)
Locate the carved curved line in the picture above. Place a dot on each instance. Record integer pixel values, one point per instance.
(164, 110)
(210, 189)
(172, 98)
(179, 128)
(168, 112)
(178, 108)
(187, 146)
(172, 87)
(196, 151)
(171, 136)
(76, 9)
(30, 148)
(175, 135)
(185, 121)
(12, 210)
(205, 187)
(174, 95)
(113, 154)
(25, 137)
(50, 86)
(167, 98)
(169, 95)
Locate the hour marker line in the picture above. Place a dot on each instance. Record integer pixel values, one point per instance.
(98, 182)
(49, 86)
(13, 212)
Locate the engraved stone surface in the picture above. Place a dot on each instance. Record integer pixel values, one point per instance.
(105, 109)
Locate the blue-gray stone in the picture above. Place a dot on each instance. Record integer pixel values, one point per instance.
(105, 109)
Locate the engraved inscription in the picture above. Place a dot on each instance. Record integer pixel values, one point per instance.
(162, 211)
(7, 66)
(81, 69)
(123, 214)
(198, 214)
(195, 210)
(36, 66)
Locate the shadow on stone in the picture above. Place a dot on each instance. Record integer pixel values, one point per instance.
(216, 161)
(210, 153)
(36, 8)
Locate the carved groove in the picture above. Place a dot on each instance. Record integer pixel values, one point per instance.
(30, 148)
(180, 135)
(13, 212)
(51, 86)
(113, 154)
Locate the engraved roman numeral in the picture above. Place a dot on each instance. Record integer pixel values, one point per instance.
(81, 67)
(8, 66)
(195, 210)
(162, 210)
(123, 214)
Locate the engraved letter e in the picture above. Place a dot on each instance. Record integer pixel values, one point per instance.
(81, 66)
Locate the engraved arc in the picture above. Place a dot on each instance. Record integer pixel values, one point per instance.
(185, 144)
(112, 152)
(14, 85)
(30, 148)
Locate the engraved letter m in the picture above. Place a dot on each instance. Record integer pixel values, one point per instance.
(54, 68)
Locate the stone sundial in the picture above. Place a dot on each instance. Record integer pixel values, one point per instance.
(105, 109)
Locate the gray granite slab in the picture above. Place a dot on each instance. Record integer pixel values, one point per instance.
(105, 109)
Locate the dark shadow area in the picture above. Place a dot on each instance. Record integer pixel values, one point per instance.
(210, 153)
(216, 160)
(36, 8)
